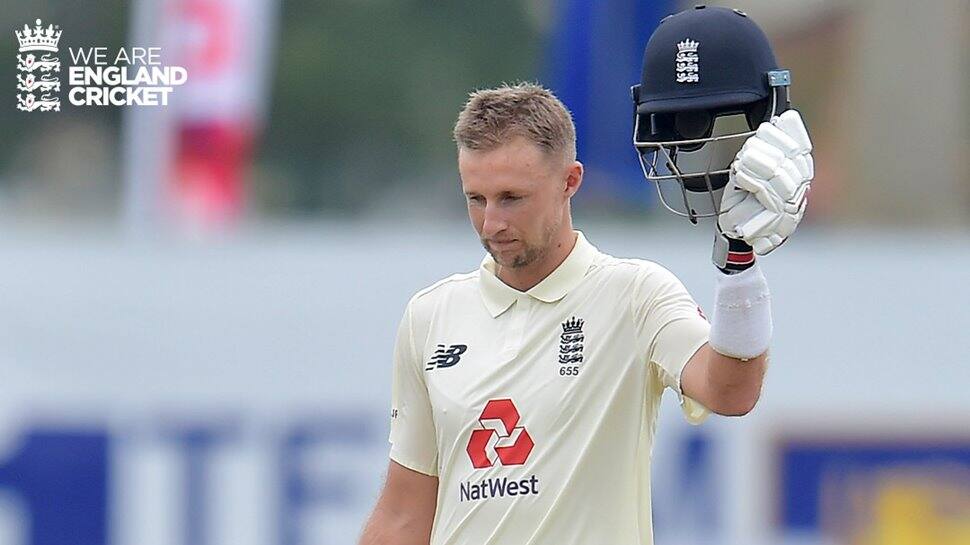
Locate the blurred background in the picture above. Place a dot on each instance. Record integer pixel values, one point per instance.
(192, 350)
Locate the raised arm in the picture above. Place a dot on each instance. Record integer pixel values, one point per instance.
(763, 203)
(725, 385)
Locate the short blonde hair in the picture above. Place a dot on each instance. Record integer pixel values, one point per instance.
(493, 117)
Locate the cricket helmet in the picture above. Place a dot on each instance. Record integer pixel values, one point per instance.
(709, 79)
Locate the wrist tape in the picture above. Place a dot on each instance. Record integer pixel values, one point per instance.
(731, 255)
(741, 321)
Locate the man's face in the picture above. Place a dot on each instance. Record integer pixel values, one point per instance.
(517, 200)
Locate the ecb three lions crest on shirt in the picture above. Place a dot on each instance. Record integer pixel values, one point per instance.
(536, 410)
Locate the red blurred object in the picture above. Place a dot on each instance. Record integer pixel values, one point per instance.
(187, 163)
(211, 162)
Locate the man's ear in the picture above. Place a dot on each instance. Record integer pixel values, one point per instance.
(574, 178)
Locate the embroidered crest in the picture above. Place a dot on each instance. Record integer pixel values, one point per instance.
(571, 341)
(687, 69)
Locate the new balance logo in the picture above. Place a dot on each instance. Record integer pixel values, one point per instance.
(446, 357)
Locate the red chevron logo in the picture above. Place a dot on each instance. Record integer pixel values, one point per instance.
(499, 439)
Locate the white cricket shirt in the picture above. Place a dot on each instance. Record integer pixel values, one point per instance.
(536, 410)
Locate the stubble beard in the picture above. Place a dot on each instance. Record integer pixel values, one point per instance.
(531, 253)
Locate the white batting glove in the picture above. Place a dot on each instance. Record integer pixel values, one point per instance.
(766, 193)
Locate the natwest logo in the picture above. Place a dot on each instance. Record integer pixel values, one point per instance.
(499, 438)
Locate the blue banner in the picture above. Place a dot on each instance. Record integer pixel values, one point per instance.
(594, 57)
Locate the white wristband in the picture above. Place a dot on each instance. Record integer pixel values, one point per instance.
(741, 323)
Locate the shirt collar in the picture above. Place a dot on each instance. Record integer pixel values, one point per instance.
(499, 296)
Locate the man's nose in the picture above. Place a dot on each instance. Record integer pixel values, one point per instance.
(494, 221)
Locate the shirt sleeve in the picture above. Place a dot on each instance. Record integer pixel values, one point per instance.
(670, 330)
(412, 436)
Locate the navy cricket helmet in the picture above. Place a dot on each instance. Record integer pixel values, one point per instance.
(709, 79)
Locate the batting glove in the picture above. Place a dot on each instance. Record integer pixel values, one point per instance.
(767, 191)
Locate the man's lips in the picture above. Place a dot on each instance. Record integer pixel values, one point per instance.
(502, 243)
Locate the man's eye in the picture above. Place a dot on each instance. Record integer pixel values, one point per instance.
(475, 199)
(512, 197)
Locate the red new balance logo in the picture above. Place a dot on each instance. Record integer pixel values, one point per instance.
(499, 438)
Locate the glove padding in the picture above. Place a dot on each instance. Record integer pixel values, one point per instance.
(766, 193)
